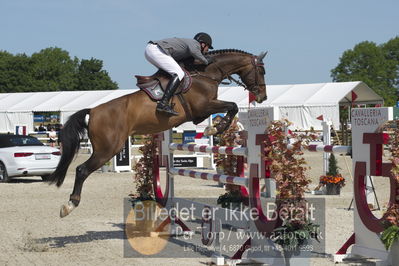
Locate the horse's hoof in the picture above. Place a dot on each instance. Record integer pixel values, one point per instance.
(210, 131)
(66, 209)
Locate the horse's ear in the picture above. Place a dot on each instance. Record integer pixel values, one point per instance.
(262, 55)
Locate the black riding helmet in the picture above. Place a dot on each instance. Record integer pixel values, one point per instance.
(205, 38)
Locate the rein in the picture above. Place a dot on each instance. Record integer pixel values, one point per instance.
(232, 79)
(225, 76)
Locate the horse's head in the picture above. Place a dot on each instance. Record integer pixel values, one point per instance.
(253, 76)
(250, 68)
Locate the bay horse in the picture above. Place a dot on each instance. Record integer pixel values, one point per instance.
(109, 124)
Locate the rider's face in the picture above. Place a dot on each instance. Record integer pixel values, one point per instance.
(204, 48)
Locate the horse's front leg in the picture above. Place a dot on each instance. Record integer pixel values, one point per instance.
(217, 106)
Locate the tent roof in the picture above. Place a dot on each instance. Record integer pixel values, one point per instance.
(57, 100)
(324, 94)
(332, 93)
(278, 95)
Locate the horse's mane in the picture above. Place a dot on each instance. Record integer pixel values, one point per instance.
(225, 51)
(188, 64)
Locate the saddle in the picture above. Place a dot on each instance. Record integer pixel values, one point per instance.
(154, 85)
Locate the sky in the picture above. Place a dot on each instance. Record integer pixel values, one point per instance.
(304, 38)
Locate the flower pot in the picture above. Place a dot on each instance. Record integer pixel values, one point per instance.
(235, 205)
(333, 189)
(299, 256)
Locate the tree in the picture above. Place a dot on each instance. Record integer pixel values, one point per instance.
(14, 72)
(92, 77)
(51, 69)
(376, 65)
(332, 166)
(391, 51)
(54, 70)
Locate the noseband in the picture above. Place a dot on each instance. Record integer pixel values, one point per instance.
(254, 88)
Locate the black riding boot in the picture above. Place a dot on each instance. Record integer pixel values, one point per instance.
(163, 105)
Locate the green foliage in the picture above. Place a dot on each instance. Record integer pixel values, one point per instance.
(14, 72)
(332, 166)
(90, 76)
(291, 237)
(390, 235)
(343, 113)
(391, 51)
(51, 69)
(376, 65)
(230, 199)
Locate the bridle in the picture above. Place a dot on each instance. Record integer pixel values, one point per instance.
(254, 88)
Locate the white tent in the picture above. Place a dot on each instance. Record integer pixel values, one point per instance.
(18, 108)
(303, 103)
(300, 103)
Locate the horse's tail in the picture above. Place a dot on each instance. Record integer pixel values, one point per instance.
(71, 134)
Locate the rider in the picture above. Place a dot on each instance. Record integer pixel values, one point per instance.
(164, 53)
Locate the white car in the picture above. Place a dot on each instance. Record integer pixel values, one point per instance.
(26, 156)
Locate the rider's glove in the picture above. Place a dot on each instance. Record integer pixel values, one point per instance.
(210, 59)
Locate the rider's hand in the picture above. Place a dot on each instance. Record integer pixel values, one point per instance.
(210, 59)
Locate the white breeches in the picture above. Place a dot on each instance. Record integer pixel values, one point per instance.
(158, 58)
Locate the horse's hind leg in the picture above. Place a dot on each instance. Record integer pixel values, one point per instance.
(82, 172)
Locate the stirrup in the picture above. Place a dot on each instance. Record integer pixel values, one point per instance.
(164, 108)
